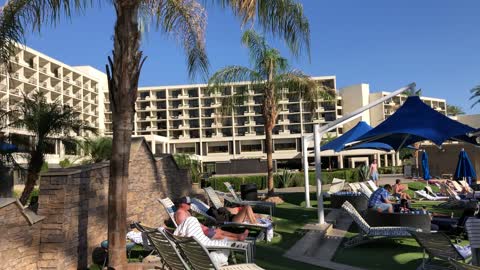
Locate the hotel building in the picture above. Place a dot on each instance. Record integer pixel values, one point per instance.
(186, 119)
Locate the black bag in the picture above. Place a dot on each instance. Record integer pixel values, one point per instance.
(221, 214)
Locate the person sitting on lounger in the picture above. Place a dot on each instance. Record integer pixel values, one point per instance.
(399, 190)
(379, 199)
(183, 212)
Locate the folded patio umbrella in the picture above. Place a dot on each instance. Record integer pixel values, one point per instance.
(465, 169)
(425, 168)
(8, 148)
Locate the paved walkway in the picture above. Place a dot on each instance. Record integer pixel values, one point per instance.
(319, 245)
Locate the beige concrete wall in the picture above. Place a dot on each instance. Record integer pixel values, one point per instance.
(355, 97)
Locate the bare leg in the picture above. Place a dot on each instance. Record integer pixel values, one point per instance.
(246, 214)
(221, 234)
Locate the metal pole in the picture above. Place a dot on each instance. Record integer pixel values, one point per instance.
(318, 172)
(305, 171)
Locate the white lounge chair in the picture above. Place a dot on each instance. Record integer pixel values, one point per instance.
(169, 208)
(336, 186)
(372, 185)
(367, 233)
(353, 187)
(365, 190)
(424, 195)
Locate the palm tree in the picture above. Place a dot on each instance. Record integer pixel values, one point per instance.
(186, 161)
(475, 95)
(271, 76)
(98, 149)
(453, 110)
(185, 19)
(44, 120)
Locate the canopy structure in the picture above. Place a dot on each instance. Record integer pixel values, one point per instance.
(352, 135)
(425, 168)
(465, 169)
(8, 147)
(416, 121)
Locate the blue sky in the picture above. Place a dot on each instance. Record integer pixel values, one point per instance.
(387, 44)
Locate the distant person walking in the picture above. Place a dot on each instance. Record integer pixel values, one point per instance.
(374, 170)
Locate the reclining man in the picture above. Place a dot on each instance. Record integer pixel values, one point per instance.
(183, 212)
(379, 199)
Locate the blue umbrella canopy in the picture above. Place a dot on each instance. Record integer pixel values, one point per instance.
(416, 121)
(8, 148)
(352, 135)
(425, 168)
(465, 168)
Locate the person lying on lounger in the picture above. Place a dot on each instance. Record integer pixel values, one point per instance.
(183, 212)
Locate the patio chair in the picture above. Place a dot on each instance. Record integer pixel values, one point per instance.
(365, 190)
(201, 208)
(458, 187)
(472, 226)
(169, 207)
(336, 186)
(200, 258)
(466, 186)
(214, 198)
(254, 204)
(191, 228)
(463, 266)
(422, 194)
(437, 250)
(372, 185)
(368, 233)
(353, 187)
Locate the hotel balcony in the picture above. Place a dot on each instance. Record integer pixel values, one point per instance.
(182, 96)
(284, 122)
(249, 113)
(284, 132)
(216, 125)
(250, 123)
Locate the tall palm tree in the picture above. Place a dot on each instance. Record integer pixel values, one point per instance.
(270, 75)
(44, 120)
(453, 110)
(183, 18)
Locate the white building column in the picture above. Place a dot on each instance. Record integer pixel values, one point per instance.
(385, 156)
(394, 159)
(397, 157)
(379, 162)
(340, 161)
(153, 146)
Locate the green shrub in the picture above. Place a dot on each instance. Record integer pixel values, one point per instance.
(284, 179)
(391, 170)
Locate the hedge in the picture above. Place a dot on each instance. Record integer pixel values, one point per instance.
(391, 170)
(350, 175)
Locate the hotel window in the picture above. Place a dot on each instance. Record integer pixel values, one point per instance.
(285, 146)
(251, 147)
(218, 149)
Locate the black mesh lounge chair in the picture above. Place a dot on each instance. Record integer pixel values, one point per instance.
(368, 233)
(254, 204)
(437, 250)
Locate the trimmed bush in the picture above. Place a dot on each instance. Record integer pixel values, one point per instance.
(391, 170)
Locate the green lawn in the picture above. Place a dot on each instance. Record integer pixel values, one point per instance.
(290, 218)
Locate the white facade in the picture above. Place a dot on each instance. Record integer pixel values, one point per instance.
(77, 87)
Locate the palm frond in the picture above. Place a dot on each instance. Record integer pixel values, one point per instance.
(283, 18)
(475, 91)
(256, 44)
(230, 75)
(17, 15)
(186, 21)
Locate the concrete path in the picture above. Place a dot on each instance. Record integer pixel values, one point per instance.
(319, 245)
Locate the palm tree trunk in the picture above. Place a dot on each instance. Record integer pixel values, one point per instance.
(269, 150)
(34, 167)
(123, 83)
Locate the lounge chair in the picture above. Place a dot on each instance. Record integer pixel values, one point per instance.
(254, 204)
(422, 194)
(198, 255)
(368, 233)
(201, 208)
(439, 249)
(463, 266)
(191, 227)
(365, 190)
(336, 186)
(353, 187)
(457, 186)
(169, 208)
(372, 185)
(472, 226)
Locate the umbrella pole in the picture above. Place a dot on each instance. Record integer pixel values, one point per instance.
(305, 172)
(318, 173)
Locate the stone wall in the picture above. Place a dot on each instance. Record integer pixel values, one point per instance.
(74, 202)
(19, 242)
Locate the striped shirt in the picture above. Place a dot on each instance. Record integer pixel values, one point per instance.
(378, 196)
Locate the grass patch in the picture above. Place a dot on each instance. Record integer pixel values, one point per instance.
(291, 216)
